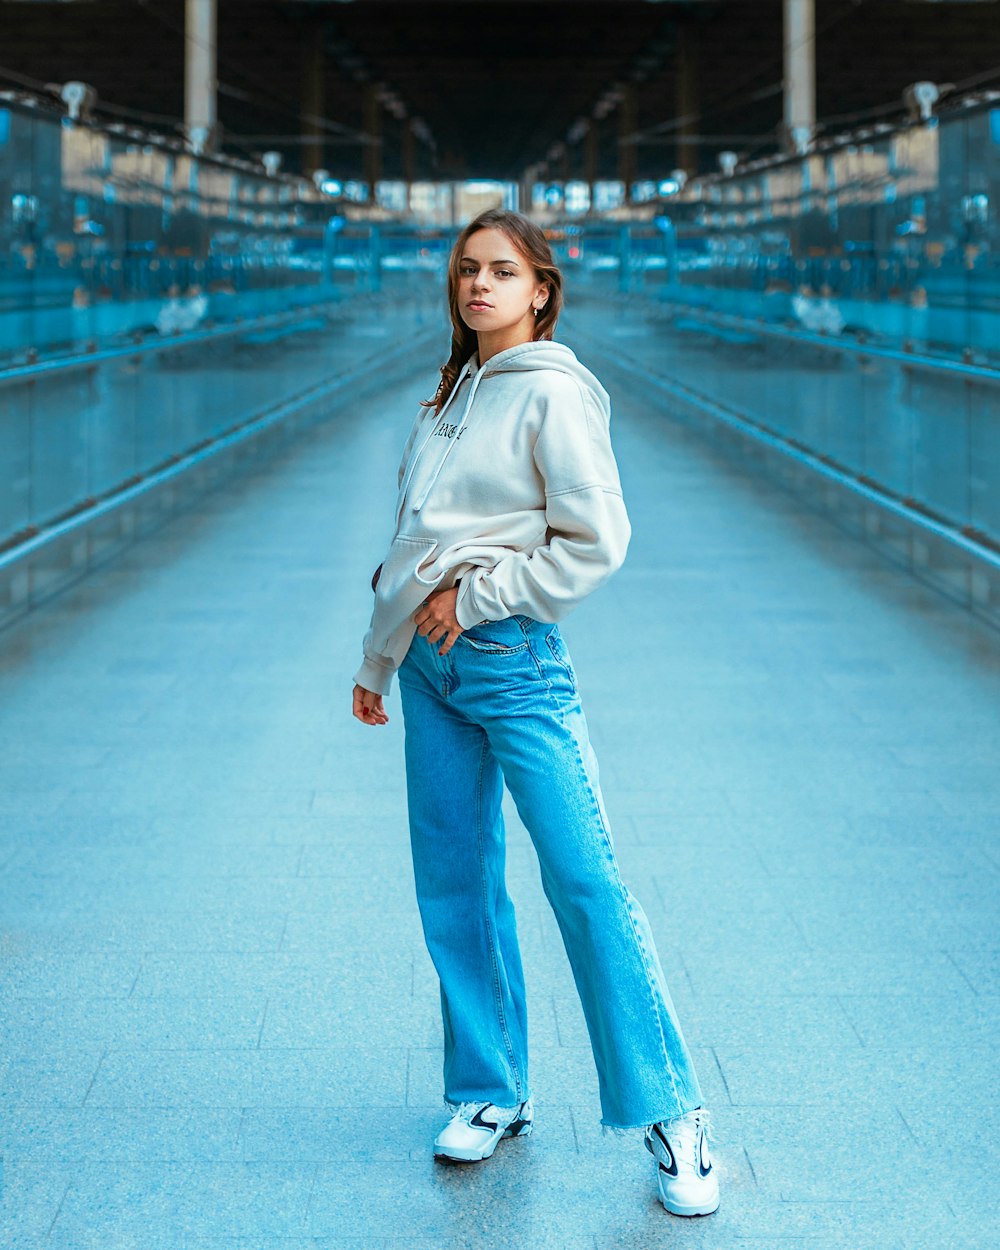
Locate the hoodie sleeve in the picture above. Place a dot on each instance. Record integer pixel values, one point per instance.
(376, 671)
(588, 525)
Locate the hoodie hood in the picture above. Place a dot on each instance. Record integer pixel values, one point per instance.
(522, 358)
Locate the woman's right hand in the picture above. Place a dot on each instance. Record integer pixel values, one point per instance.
(368, 707)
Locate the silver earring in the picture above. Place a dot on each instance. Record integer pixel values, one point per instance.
(537, 311)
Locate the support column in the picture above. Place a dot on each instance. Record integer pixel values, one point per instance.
(686, 97)
(313, 98)
(591, 151)
(409, 154)
(373, 139)
(799, 125)
(524, 186)
(626, 132)
(200, 75)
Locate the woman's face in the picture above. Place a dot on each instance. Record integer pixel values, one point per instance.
(497, 286)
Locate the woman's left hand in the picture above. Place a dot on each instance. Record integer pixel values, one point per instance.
(436, 619)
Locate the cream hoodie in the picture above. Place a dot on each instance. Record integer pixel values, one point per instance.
(512, 488)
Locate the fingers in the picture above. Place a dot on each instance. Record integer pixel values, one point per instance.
(369, 707)
(421, 617)
(436, 621)
(374, 715)
(444, 634)
(446, 646)
(429, 627)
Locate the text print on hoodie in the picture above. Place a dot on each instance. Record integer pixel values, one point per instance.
(512, 488)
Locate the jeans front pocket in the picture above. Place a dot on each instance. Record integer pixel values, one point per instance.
(496, 637)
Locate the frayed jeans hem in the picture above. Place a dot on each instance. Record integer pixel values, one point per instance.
(453, 1107)
(630, 1130)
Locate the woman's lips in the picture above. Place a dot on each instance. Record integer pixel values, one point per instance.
(478, 305)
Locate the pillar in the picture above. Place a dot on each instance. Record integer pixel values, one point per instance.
(200, 75)
(626, 138)
(799, 125)
(686, 97)
(591, 154)
(313, 98)
(409, 155)
(524, 186)
(373, 138)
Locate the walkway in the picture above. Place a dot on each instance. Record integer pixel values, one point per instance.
(220, 1026)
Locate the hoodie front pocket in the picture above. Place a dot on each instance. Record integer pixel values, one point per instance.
(406, 557)
(403, 584)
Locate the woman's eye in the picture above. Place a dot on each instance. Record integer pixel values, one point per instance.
(504, 273)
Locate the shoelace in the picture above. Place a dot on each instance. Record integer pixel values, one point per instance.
(701, 1116)
(467, 1110)
(704, 1117)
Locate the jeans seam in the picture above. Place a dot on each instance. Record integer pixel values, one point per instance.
(538, 662)
(497, 988)
(565, 667)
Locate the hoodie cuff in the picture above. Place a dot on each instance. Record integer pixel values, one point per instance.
(467, 611)
(374, 676)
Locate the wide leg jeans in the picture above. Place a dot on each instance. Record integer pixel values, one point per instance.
(503, 705)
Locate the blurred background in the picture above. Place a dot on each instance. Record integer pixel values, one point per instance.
(223, 234)
(808, 188)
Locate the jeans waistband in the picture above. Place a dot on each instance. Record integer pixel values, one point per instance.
(515, 625)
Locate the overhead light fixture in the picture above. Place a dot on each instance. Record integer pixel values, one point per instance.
(920, 98)
(728, 162)
(79, 98)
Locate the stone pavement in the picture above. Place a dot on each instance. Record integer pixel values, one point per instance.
(219, 1024)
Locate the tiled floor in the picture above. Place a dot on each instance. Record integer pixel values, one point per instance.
(220, 1026)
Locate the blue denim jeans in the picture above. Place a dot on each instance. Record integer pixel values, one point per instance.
(503, 705)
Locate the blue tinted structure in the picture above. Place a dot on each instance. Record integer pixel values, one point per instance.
(219, 1026)
(842, 306)
(892, 224)
(155, 309)
(844, 309)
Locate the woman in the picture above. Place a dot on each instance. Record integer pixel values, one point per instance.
(510, 513)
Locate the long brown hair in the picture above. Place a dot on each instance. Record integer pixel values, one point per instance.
(532, 243)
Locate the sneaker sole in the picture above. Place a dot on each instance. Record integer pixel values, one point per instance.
(700, 1208)
(472, 1155)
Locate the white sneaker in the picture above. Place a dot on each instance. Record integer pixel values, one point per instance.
(474, 1130)
(685, 1175)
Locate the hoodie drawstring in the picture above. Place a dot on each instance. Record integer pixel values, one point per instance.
(418, 451)
(451, 442)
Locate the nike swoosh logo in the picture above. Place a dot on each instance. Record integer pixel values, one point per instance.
(478, 1120)
(672, 1169)
(703, 1167)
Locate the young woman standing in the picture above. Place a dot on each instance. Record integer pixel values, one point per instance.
(510, 513)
